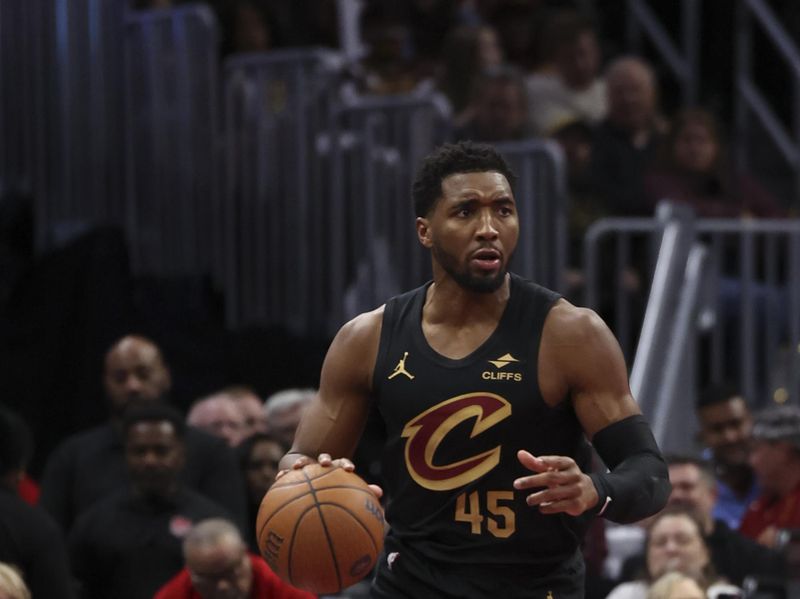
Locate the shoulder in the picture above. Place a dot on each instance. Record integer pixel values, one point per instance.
(574, 330)
(591, 100)
(580, 355)
(16, 514)
(365, 325)
(361, 332)
(542, 83)
(179, 587)
(262, 572)
(92, 439)
(351, 357)
(206, 454)
(197, 506)
(199, 440)
(570, 324)
(357, 341)
(101, 516)
(267, 584)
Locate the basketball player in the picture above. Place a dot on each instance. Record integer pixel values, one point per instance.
(488, 385)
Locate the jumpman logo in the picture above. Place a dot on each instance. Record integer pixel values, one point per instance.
(401, 368)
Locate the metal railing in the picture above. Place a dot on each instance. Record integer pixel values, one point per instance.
(173, 151)
(668, 277)
(683, 60)
(618, 258)
(375, 252)
(318, 222)
(308, 218)
(277, 200)
(23, 79)
(61, 115)
(749, 332)
(86, 164)
(757, 277)
(673, 419)
(543, 205)
(752, 107)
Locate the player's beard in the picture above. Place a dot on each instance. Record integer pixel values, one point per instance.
(462, 275)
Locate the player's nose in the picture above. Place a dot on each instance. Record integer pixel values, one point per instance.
(487, 228)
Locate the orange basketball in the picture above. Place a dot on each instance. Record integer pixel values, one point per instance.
(320, 528)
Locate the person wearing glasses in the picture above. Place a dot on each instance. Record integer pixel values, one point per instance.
(218, 566)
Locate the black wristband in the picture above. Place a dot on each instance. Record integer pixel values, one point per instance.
(638, 484)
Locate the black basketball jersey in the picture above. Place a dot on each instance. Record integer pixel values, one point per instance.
(453, 430)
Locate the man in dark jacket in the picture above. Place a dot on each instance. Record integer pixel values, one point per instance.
(29, 539)
(91, 465)
(129, 544)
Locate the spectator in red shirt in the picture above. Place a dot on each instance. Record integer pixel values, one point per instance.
(219, 567)
(775, 457)
(28, 489)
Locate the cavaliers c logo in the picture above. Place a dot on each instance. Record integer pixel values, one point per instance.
(426, 432)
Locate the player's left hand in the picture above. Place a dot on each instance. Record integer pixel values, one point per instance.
(564, 488)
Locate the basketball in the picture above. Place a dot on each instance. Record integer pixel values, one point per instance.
(320, 528)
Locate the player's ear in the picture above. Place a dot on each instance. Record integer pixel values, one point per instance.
(424, 231)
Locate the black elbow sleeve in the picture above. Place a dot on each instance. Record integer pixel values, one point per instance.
(637, 485)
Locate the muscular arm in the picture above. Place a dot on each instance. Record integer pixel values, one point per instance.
(580, 358)
(334, 421)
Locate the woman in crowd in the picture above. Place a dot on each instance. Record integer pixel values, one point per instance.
(693, 169)
(674, 543)
(259, 455)
(468, 51)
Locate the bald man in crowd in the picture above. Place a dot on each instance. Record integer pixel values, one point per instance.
(625, 142)
(251, 407)
(218, 415)
(283, 411)
(219, 567)
(91, 464)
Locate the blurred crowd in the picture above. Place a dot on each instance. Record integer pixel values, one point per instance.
(518, 69)
(151, 497)
(157, 503)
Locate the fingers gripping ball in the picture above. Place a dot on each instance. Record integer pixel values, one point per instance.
(320, 528)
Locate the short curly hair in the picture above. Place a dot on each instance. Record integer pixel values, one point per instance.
(449, 159)
(154, 412)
